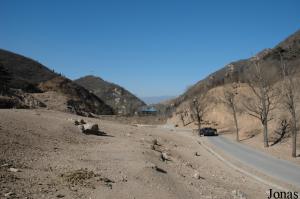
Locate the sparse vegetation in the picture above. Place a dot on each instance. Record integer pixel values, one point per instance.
(230, 93)
(290, 101)
(199, 108)
(264, 102)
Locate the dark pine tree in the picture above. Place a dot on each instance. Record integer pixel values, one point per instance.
(5, 78)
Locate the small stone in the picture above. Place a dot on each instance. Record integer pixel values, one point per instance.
(14, 170)
(188, 164)
(8, 194)
(164, 157)
(237, 194)
(197, 154)
(197, 176)
(150, 165)
(5, 165)
(155, 142)
(60, 196)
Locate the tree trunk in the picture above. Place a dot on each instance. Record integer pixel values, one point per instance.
(294, 135)
(266, 142)
(236, 125)
(182, 119)
(264, 115)
(199, 121)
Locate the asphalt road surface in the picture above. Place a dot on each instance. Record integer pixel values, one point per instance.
(269, 165)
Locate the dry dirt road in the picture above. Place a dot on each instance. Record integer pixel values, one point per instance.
(55, 159)
(274, 167)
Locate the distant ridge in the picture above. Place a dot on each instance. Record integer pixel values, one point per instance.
(121, 100)
(156, 99)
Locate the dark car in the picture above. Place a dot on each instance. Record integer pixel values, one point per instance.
(208, 132)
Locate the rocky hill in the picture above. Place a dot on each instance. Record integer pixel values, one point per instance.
(218, 115)
(238, 71)
(121, 100)
(32, 85)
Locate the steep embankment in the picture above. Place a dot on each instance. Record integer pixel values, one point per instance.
(121, 100)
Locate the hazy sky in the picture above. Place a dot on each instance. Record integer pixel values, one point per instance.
(151, 47)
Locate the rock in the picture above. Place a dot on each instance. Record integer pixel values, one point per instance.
(5, 165)
(81, 122)
(197, 176)
(150, 165)
(237, 194)
(197, 154)
(164, 157)
(9, 194)
(60, 196)
(89, 128)
(155, 142)
(160, 170)
(13, 170)
(188, 164)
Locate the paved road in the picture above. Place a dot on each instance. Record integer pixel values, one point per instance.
(265, 163)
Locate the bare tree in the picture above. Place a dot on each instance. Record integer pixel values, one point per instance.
(199, 108)
(182, 118)
(263, 102)
(230, 93)
(281, 131)
(289, 101)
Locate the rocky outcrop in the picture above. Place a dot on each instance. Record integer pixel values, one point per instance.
(19, 99)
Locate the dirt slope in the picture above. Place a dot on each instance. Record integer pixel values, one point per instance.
(57, 161)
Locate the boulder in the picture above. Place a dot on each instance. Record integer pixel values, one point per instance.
(197, 176)
(164, 157)
(89, 128)
(13, 170)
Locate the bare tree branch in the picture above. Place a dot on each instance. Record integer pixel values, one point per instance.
(264, 97)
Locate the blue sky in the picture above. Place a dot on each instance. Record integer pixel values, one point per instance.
(151, 47)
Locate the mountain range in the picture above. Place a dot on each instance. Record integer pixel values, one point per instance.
(33, 85)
